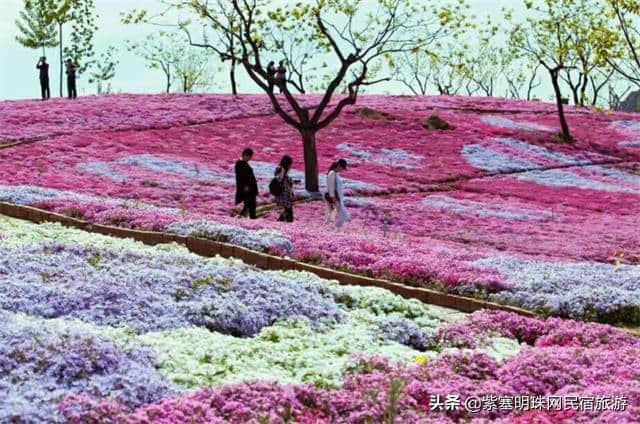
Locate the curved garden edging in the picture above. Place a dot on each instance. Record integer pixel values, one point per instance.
(212, 248)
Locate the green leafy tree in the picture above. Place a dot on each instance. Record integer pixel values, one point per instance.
(438, 62)
(192, 69)
(59, 13)
(36, 28)
(625, 58)
(591, 40)
(180, 62)
(159, 52)
(522, 78)
(413, 70)
(449, 75)
(555, 34)
(104, 70)
(80, 47)
(350, 36)
(216, 20)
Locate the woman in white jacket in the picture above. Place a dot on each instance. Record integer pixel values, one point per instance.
(335, 195)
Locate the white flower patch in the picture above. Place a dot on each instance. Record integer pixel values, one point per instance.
(28, 195)
(570, 289)
(264, 171)
(397, 158)
(487, 210)
(531, 160)
(537, 152)
(629, 144)
(626, 125)
(359, 202)
(102, 168)
(615, 174)
(261, 240)
(564, 178)
(501, 122)
(484, 158)
(173, 166)
(355, 151)
(502, 155)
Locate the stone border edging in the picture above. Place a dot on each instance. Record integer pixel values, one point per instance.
(210, 248)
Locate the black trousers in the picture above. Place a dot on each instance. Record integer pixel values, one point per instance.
(44, 88)
(249, 206)
(286, 215)
(71, 87)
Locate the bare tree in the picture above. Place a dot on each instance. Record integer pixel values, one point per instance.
(219, 27)
(598, 81)
(616, 95)
(351, 35)
(624, 56)
(414, 72)
(159, 51)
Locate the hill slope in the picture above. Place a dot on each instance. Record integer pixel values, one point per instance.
(494, 208)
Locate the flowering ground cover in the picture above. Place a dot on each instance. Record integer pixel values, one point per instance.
(97, 329)
(21, 120)
(495, 208)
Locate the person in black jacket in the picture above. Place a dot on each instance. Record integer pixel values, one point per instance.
(43, 67)
(271, 74)
(246, 184)
(71, 79)
(281, 76)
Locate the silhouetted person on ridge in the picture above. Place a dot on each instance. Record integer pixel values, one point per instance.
(43, 66)
(71, 79)
(271, 74)
(281, 76)
(246, 184)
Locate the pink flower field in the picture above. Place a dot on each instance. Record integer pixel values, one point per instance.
(494, 208)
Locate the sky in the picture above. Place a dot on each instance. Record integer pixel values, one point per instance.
(19, 77)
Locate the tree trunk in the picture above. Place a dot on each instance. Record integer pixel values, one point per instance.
(232, 76)
(61, 60)
(566, 136)
(574, 93)
(583, 91)
(310, 161)
(168, 82)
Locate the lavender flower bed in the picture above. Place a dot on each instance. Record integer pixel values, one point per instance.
(42, 365)
(263, 240)
(571, 289)
(154, 292)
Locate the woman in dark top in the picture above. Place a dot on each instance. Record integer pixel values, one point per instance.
(285, 199)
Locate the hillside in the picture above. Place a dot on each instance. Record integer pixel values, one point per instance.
(494, 208)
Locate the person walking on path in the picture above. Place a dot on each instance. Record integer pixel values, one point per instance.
(43, 67)
(285, 198)
(246, 184)
(335, 195)
(271, 74)
(71, 79)
(281, 76)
